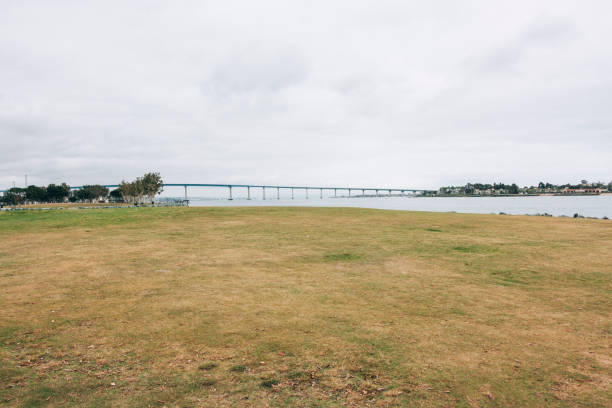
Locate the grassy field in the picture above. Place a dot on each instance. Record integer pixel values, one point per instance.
(186, 307)
(66, 205)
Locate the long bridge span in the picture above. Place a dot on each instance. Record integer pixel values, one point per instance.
(278, 188)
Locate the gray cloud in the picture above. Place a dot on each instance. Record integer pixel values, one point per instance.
(359, 92)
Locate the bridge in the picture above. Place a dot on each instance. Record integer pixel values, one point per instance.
(278, 188)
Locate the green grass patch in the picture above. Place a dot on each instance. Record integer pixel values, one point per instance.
(345, 256)
(475, 249)
(269, 383)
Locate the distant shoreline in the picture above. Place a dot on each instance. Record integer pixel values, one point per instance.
(517, 195)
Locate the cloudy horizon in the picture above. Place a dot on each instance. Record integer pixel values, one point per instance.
(375, 93)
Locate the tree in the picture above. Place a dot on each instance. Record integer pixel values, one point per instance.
(115, 195)
(57, 193)
(152, 185)
(84, 194)
(15, 196)
(131, 192)
(148, 186)
(92, 192)
(138, 188)
(127, 191)
(36, 194)
(513, 189)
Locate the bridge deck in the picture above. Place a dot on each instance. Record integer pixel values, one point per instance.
(270, 186)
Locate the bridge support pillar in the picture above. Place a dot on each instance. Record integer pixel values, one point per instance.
(335, 192)
(248, 193)
(321, 196)
(349, 192)
(230, 193)
(389, 193)
(277, 193)
(292, 193)
(363, 192)
(307, 193)
(185, 192)
(263, 189)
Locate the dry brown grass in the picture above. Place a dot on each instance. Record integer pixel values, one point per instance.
(303, 307)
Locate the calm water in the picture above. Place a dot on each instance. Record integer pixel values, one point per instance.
(589, 206)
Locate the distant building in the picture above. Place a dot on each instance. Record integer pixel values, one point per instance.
(583, 190)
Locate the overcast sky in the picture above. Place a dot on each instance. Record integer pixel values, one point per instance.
(378, 93)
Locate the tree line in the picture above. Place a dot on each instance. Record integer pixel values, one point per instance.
(501, 188)
(136, 192)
